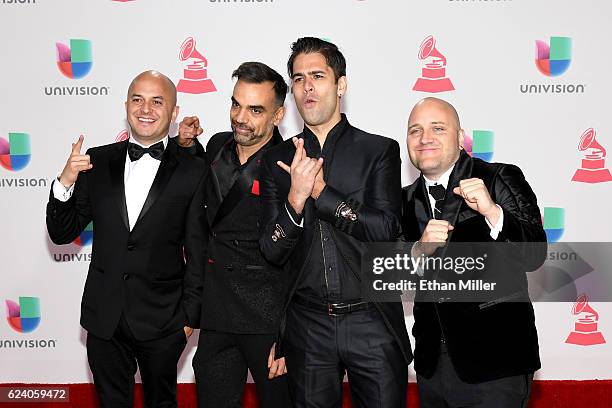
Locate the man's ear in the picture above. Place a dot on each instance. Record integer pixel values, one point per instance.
(279, 115)
(461, 138)
(175, 113)
(341, 86)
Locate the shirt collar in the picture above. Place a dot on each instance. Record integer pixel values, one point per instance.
(164, 140)
(333, 133)
(443, 179)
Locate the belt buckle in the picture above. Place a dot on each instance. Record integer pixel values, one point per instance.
(330, 309)
(331, 306)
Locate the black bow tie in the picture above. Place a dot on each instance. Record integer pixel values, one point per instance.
(438, 192)
(135, 151)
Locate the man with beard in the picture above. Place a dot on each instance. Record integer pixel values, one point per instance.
(471, 354)
(243, 294)
(142, 295)
(324, 194)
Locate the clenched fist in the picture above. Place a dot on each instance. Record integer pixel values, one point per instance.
(477, 197)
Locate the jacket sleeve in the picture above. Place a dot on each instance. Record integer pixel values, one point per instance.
(196, 150)
(279, 233)
(66, 220)
(196, 238)
(377, 219)
(522, 225)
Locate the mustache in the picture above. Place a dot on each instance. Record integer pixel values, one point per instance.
(236, 126)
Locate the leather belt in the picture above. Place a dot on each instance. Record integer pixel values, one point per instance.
(332, 309)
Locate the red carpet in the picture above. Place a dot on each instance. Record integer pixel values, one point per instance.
(546, 394)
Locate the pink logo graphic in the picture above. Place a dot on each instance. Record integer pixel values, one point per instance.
(195, 79)
(585, 329)
(593, 165)
(433, 78)
(122, 136)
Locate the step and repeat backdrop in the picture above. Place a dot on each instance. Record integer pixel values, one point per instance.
(530, 79)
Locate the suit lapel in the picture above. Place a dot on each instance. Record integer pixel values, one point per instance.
(244, 184)
(166, 168)
(422, 207)
(117, 170)
(213, 191)
(453, 202)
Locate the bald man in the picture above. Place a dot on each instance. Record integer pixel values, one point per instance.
(471, 354)
(142, 295)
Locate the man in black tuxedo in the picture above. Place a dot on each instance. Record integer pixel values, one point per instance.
(324, 194)
(471, 354)
(146, 199)
(243, 294)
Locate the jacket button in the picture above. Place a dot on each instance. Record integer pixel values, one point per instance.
(126, 276)
(235, 242)
(130, 246)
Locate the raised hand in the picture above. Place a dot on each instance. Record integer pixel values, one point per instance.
(189, 129)
(303, 171)
(477, 197)
(76, 163)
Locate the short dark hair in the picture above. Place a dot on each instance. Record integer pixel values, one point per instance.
(309, 45)
(257, 73)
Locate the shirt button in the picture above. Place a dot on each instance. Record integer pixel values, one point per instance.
(126, 276)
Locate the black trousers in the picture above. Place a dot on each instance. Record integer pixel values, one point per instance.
(220, 365)
(113, 364)
(321, 348)
(446, 390)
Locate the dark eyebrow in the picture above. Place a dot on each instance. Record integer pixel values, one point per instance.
(140, 96)
(309, 73)
(234, 100)
(316, 72)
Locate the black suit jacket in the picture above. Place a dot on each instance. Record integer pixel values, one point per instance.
(364, 175)
(492, 339)
(242, 292)
(153, 274)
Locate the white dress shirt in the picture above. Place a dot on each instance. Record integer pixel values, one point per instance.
(138, 177)
(443, 180)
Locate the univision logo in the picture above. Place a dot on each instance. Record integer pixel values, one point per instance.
(15, 155)
(23, 318)
(75, 61)
(18, 2)
(554, 223)
(15, 152)
(552, 60)
(85, 238)
(480, 145)
(68, 254)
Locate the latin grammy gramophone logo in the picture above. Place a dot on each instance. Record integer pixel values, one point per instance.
(585, 331)
(433, 78)
(195, 78)
(593, 168)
